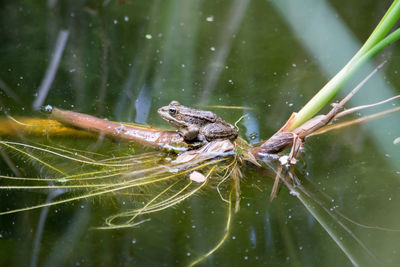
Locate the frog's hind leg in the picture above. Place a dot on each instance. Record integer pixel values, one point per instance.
(212, 131)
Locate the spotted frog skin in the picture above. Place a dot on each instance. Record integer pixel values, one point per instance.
(197, 125)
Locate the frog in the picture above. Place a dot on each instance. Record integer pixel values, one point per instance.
(197, 125)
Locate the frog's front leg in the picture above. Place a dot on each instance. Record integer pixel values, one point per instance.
(190, 133)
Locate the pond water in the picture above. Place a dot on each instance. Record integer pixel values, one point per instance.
(122, 60)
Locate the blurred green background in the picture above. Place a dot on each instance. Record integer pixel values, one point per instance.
(122, 60)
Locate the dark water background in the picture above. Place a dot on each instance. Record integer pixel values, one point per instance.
(124, 59)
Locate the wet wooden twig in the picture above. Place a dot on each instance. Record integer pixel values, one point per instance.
(169, 140)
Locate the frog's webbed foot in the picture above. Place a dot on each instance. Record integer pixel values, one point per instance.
(202, 138)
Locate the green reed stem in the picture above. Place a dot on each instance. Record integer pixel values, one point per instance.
(375, 43)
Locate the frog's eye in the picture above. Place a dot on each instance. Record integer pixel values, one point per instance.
(172, 111)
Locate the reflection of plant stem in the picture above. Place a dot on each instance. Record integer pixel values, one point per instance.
(348, 242)
(375, 43)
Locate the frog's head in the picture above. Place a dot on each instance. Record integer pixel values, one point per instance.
(171, 114)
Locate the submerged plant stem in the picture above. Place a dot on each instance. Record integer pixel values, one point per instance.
(224, 237)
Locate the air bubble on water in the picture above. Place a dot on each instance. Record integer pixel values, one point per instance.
(212, 48)
(134, 241)
(210, 19)
(126, 18)
(115, 21)
(148, 36)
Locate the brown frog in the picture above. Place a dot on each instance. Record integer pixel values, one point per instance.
(197, 125)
